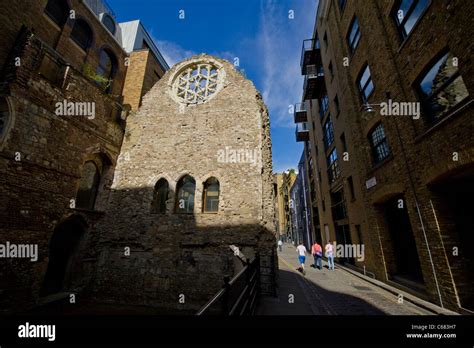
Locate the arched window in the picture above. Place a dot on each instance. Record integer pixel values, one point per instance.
(88, 187)
(82, 34)
(58, 11)
(109, 23)
(107, 68)
(378, 143)
(160, 196)
(211, 196)
(185, 195)
(5, 118)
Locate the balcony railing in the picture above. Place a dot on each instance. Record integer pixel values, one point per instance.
(314, 83)
(302, 132)
(300, 113)
(310, 55)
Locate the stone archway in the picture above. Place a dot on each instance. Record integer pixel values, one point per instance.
(62, 247)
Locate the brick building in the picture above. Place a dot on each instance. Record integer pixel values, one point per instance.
(284, 183)
(61, 130)
(389, 175)
(146, 65)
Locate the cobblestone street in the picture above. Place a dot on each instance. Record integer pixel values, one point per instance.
(325, 292)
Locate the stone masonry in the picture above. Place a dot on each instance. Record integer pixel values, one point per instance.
(173, 254)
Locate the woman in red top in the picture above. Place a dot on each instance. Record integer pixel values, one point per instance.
(317, 252)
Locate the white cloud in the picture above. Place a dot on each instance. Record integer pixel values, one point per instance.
(280, 39)
(172, 52)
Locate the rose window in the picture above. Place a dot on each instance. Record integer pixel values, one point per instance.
(196, 83)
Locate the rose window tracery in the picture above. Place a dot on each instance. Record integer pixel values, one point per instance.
(197, 83)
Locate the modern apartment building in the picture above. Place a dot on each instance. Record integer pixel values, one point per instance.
(300, 208)
(387, 116)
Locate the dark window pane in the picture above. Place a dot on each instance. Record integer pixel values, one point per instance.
(403, 10)
(365, 77)
(442, 88)
(109, 23)
(437, 75)
(160, 196)
(408, 13)
(211, 195)
(379, 143)
(185, 195)
(354, 35)
(58, 11)
(415, 15)
(82, 34)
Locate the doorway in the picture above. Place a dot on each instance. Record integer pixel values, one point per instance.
(62, 248)
(406, 262)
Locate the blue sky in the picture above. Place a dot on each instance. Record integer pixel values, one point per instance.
(258, 32)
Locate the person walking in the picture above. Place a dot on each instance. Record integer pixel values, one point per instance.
(317, 252)
(280, 244)
(330, 254)
(301, 250)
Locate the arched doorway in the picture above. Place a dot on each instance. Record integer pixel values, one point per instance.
(62, 247)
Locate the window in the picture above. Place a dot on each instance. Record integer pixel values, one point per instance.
(407, 14)
(342, 4)
(337, 106)
(328, 133)
(338, 207)
(379, 144)
(5, 118)
(366, 86)
(441, 88)
(331, 70)
(350, 182)
(325, 39)
(160, 196)
(88, 186)
(353, 37)
(343, 142)
(58, 11)
(82, 34)
(107, 69)
(333, 166)
(109, 23)
(323, 105)
(185, 195)
(211, 196)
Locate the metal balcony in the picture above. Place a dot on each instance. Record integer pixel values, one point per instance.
(300, 113)
(302, 132)
(314, 83)
(310, 55)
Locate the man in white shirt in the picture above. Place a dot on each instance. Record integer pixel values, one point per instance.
(301, 249)
(280, 244)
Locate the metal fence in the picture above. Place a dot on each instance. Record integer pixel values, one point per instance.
(238, 295)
